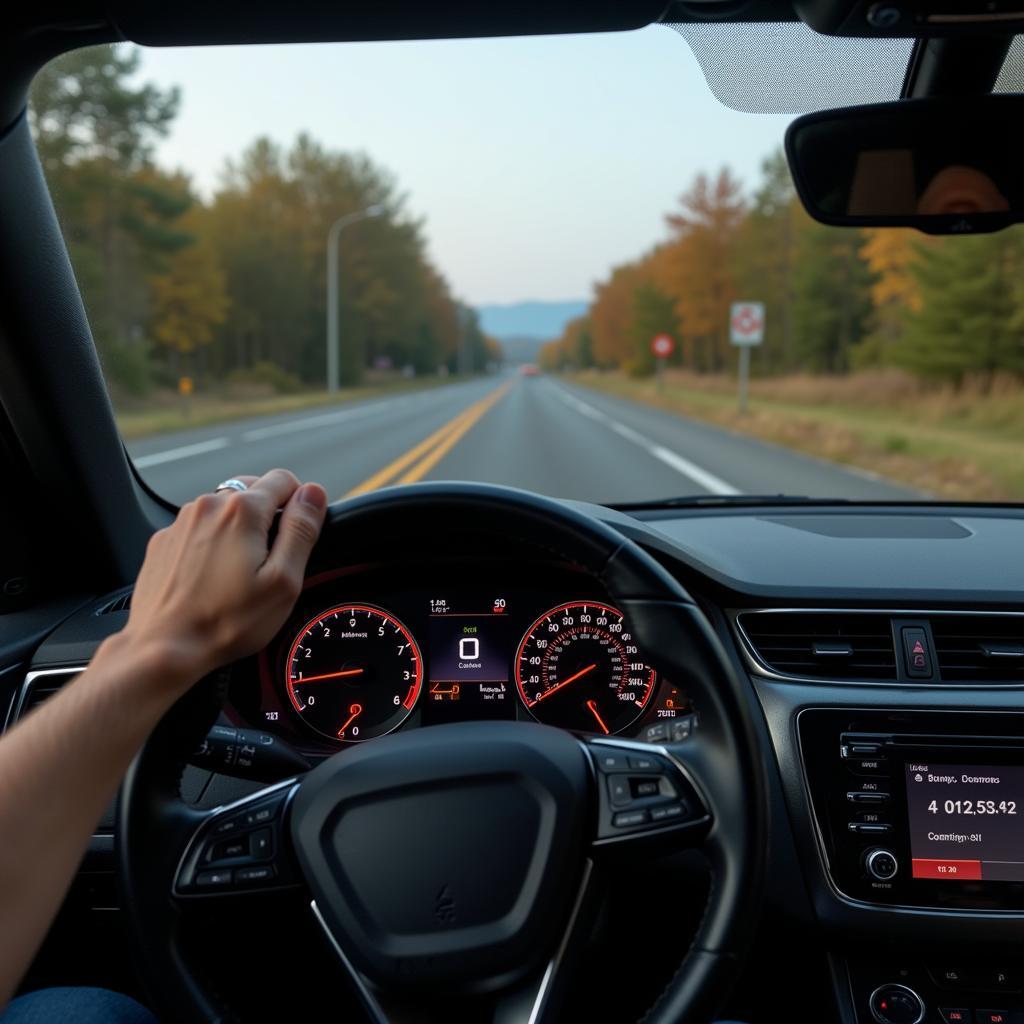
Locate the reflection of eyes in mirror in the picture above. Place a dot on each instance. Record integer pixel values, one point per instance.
(885, 185)
(963, 190)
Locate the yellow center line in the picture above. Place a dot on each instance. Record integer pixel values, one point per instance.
(473, 415)
(443, 440)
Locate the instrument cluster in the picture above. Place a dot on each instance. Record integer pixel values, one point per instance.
(366, 653)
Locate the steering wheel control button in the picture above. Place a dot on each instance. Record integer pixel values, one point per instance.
(646, 787)
(218, 879)
(669, 812)
(643, 764)
(261, 844)
(254, 875)
(612, 762)
(896, 1004)
(881, 865)
(619, 791)
(228, 849)
(631, 819)
(259, 816)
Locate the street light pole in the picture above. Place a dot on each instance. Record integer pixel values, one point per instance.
(333, 354)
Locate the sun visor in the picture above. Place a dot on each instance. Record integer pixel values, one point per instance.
(198, 22)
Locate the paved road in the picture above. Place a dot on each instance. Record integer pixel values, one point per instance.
(534, 432)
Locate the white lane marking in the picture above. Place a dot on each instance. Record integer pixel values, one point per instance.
(185, 452)
(715, 484)
(310, 422)
(699, 475)
(628, 433)
(257, 434)
(580, 407)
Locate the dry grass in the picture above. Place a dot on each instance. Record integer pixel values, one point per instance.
(957, 444)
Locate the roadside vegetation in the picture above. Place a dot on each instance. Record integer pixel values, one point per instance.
(956, 443)
(228, 289)
(886, 349)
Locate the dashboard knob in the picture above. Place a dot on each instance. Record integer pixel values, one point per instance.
(881, 864)
(896, 1004)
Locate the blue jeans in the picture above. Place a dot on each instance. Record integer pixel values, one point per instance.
(80, 1005)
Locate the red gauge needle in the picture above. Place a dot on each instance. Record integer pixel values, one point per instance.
(565, 682)
(330, 675)
(354, 712)
(592, 708)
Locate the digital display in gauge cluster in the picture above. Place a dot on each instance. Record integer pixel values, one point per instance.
(362, 666)
(469, 661)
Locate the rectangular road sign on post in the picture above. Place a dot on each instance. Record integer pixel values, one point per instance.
(746, 329)
(746, 323)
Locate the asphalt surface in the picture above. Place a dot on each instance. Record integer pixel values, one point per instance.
(533, 432)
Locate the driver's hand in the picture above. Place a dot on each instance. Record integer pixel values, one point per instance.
(209, 590)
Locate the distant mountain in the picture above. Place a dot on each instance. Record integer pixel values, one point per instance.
(541, 321)
(521, 350)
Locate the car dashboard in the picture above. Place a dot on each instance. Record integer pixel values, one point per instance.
(884, 651)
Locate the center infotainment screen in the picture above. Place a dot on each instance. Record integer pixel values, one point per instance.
(966, 821)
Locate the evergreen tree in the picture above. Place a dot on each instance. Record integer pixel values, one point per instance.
(969, 322)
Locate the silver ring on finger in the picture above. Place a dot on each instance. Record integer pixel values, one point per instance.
(231, 485)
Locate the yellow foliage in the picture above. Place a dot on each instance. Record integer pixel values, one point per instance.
(190, 298)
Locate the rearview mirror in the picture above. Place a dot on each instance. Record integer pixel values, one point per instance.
(944, 166)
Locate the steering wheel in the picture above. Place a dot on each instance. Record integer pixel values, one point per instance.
(507, 819)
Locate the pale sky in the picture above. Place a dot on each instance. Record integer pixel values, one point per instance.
(536, 164)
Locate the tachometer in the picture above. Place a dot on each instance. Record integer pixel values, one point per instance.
(578, 667)
(354, 672)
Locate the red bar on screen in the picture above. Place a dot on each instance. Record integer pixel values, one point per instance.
(955, 870)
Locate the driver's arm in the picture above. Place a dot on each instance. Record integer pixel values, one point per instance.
(209, 592)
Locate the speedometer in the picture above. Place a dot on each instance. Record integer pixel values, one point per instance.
(578, 667)
(354, 672)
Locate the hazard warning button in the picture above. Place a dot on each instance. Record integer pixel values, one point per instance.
(917, 653)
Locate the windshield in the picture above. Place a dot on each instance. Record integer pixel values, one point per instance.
(555, 263)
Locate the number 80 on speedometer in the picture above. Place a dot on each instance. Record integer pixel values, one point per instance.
(578, 667)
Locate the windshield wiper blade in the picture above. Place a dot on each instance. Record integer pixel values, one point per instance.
(731, 500)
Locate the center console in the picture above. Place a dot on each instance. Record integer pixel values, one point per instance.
(919, 809)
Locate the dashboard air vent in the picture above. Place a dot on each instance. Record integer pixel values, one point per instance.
(36, 695)
(979, 648)
(39, 688)
(119, 604)
(823, 645)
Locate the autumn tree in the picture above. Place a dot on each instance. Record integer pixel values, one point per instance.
(95, 132)
(574, 350)
(766, 260)
(611, 315)
(890, 255)
(699, 264)
(189, 299)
